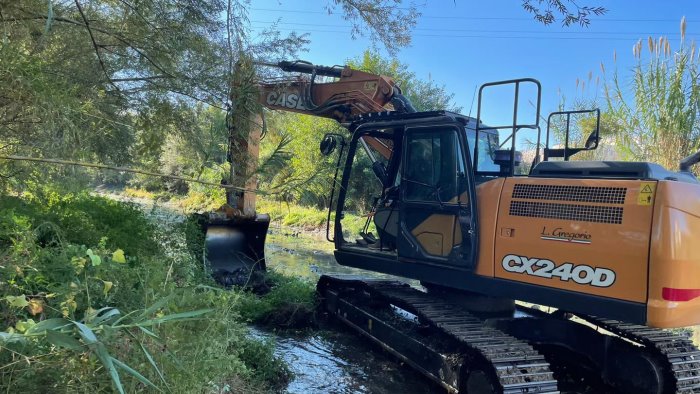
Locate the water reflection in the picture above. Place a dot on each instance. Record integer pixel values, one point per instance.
(335, 360)
(309, 257)
(339, 362)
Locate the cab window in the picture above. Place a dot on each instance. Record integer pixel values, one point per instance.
(435, 168)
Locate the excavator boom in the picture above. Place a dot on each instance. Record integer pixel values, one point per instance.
(351, 92)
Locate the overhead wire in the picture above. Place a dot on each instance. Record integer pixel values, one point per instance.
(123, 169)
(529, 37)
(602, 19)
(469, 30)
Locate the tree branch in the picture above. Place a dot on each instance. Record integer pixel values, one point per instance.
(94, 44)
(139, 79)
(98, 29)
(124, 169)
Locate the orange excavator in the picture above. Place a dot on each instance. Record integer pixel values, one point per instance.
(538, 274)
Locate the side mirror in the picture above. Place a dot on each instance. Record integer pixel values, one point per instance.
(328, 144)
(592, 140)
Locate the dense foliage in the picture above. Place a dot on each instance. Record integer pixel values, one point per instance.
(93, 290)
(649, 114)
(658, 118)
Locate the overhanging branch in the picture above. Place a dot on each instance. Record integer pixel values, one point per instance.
(94, 45)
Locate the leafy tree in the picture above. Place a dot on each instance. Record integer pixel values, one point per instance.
(388, 21)
(303, 175)
(107, 80)
(658, 119)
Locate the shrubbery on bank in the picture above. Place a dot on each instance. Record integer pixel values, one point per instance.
(97, 297)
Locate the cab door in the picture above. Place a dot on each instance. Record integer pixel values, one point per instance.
(437, 207)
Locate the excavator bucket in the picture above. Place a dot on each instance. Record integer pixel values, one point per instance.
(235, 249)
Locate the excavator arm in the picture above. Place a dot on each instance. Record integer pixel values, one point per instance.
(351, 92)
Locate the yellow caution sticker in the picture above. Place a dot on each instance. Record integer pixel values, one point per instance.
(646, 193)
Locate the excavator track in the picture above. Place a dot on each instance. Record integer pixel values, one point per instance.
(510, 365)
(678, 356)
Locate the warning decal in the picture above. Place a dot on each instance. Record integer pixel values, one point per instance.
(646, 193)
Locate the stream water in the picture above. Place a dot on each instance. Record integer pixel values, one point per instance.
(334, 360)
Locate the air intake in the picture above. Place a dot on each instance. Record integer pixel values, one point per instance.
(574, 212)
(607, 195)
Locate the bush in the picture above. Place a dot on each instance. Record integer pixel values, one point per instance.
(104, 272)
(290, 303)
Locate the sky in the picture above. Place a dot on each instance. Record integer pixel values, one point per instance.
(464, 43)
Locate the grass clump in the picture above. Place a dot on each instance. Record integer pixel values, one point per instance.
(96, 298)
(290, 303)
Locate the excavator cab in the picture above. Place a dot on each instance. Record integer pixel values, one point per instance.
(409, 179)
(413, 178)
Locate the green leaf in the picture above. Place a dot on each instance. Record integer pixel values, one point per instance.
(152, 362)
(147, 353)
(17, 301)
(60, 339)
(118, 256)
(86, 333)
(94, 259)
(149, 333)
(23, 326)
(7, 338)
(100, 350)
(156, 305)
(134, 373)
(49, 324)
(125, 316)
(175, 316)
(103, 315)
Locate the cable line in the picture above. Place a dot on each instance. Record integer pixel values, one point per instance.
(600, 19)
(475, 30)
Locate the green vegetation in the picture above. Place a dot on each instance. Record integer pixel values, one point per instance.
(306, 218)
(95, 297)
(289, 304)
(657, 119)
(648, 114)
